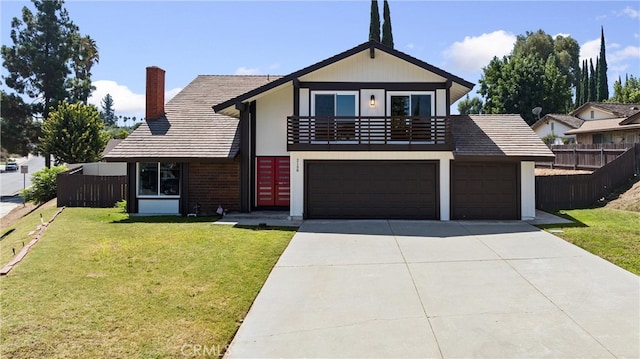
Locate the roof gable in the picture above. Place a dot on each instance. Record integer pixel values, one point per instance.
(613, 110)
(461, 86)
(190, 129)
(570, 121)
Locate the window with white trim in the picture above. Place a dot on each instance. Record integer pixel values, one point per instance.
(158, 179)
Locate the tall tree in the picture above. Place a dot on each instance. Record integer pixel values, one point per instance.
(629, 92)
(108, 114)
(18, 130)
(592, 82)
(584, 83)
(45, 49)
(532, 75)
(387, 34)
(602, 85)
(85, 55)
(374, 23)
(74, 133)
(468, 106)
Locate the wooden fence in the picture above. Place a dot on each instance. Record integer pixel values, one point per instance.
(78, 190)
(582, 191)
(585, 156)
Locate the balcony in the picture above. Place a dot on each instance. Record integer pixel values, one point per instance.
(384, 133)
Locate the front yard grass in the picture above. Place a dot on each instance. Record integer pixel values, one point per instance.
(101, 285)
(609, 233)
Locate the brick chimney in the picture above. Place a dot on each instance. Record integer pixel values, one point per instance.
(155, 93)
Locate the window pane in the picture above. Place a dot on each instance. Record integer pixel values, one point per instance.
(325, 105)
(420, 105)
(148, 179)
(170, 179)
(346, 105)
(399, 105)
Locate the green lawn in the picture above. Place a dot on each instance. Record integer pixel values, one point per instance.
(609, 233)
(100, 285)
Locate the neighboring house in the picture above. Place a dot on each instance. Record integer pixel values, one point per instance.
(557, 125)
(366, 133)
(607, 123)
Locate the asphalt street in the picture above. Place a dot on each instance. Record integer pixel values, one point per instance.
(12, 182)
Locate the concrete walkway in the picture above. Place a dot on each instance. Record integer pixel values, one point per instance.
(440, 290)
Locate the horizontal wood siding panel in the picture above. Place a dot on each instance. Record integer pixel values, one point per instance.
(372, 189)
(485, 190)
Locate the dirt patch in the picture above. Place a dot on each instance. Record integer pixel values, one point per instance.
(558, 172)
(629, 200)
(21, 211)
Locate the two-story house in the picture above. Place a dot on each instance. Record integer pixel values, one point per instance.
(364, 134)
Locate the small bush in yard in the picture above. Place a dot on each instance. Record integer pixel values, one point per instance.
(43, 185)
(122, 205)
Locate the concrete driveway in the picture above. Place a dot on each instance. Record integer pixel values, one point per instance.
(440, 290)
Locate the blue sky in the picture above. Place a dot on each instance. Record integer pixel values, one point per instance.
(189, 38)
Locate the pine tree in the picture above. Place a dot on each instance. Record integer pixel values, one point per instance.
(578, 88)
(584, 83)
(387, 35)
(602, 90)
(374, 24)
(592, 82)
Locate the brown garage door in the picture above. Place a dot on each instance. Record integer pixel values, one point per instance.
(485, 190)
(371, 189)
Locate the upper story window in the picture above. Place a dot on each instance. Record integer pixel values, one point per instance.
(411, 115)
(158, 179)
(592, 114)
(328, 107)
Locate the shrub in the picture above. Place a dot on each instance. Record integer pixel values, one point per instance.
(122, 205)
(43, 185)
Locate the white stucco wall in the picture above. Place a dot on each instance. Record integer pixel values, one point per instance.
(558, 128)
(105, 169)
(297, 172)
(365, 100)
(597, 114)
(441, 102)
(527, 190)
(158, 206)
(271, 122)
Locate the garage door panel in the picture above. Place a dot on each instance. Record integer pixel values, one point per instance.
(371, 189)
(485, 190)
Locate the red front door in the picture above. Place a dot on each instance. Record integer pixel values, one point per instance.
(273, 181)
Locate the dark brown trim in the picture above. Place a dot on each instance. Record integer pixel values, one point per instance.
(245, 158)
(448, 97)
(296, 97)
(252, 174)
(132, 200)
(389, 86)
(171, 159)
(184, 189)
(362, 47)
(366, 147)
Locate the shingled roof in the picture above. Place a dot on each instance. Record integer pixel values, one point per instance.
(617, 109)
(190, 129)
(497, 136)
(571, 121)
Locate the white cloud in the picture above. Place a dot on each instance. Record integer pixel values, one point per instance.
(475, 52)
(590, 50)
(247, 71)
(411, 46)
(630, 12)
(628, 52)
(125, 101)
